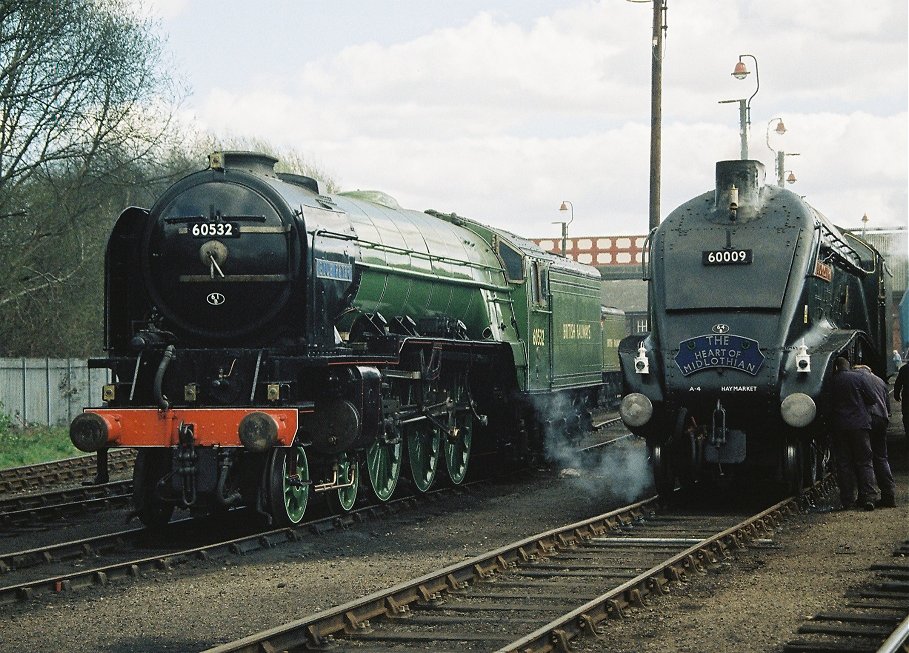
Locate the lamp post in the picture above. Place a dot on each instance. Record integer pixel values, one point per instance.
(780, 156)
(781, 169)
(656, 108)
(566, 205)
(864, 224)
(741, 72)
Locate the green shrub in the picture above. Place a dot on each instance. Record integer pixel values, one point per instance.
(32, 444)
(6, 422)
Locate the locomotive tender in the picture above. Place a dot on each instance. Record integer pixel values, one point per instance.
(753, 294)
(268, 342)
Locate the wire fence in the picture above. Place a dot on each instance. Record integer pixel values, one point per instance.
(48, 391)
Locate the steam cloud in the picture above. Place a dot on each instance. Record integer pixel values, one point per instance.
(619, 471)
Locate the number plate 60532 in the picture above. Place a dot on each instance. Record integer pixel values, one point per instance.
(214, 230)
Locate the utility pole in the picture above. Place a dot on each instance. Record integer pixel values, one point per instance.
(656, 109)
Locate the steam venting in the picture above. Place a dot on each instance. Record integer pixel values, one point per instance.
(617, 472)
(738, 186)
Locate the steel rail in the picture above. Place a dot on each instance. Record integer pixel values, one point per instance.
(101, 575)
(76, 469)
(585, 619)
(75, 549)
(315, 630)
(605, 423)
(872, 621)
(898, 639)
(352, 618)
(29, 508)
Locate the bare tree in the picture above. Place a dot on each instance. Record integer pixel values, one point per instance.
(84, 101)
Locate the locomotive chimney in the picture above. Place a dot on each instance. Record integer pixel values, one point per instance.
(254, 162)
(738, 187)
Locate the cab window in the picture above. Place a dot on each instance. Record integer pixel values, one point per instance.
(539, 284)
(511, 262)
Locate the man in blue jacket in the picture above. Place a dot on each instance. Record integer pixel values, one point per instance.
(880, 420)
(851, 441)
(901, 388)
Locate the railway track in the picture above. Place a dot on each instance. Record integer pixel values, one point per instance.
(62, 472)
(74, 493)
(158, 551)
(874, 617)
(606, 421)
(107, 557)
(536, 594)
(28, 509)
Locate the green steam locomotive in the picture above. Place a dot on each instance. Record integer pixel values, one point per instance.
(269, 343)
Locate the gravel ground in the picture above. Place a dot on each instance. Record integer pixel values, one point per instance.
(752, 606)
(757, 603)
(228, 598)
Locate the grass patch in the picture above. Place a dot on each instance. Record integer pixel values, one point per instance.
(33, 444)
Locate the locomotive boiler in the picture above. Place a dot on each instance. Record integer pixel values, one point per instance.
(753, 293)
(268, 343)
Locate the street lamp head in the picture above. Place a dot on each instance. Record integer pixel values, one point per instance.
(780, 129)
(741, 72)
(567, 205)
(791, 178)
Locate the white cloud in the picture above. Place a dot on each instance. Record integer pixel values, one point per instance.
(502, 121)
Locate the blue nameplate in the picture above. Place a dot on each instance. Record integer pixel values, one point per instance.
(334, 270)
(719, 350)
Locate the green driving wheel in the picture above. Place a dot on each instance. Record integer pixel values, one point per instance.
(383, 461)
(288, 485)
(344, 498)
(424, 443)
(457, 448)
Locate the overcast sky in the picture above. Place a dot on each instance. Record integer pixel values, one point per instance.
(500, 109)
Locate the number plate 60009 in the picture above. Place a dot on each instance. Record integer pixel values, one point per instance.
(726, 257)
